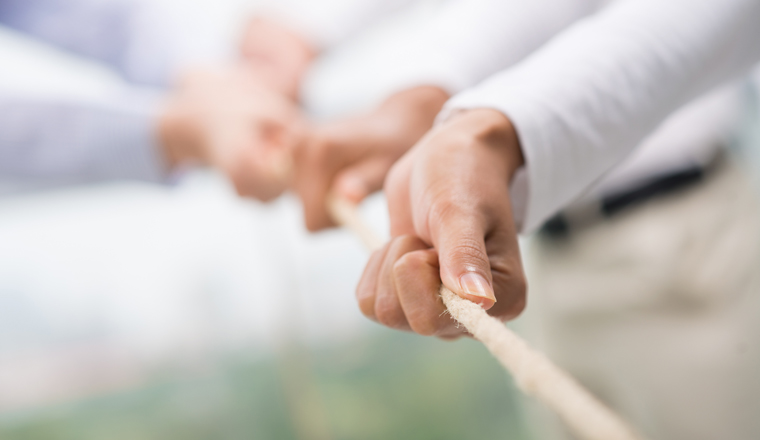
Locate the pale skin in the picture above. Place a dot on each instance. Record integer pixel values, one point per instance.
(243, 119)
(229, 121)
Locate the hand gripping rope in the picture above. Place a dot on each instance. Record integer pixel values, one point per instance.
(534, 373)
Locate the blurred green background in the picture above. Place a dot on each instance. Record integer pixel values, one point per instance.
(389, 386)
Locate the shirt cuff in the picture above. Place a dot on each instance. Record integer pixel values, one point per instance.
(124, 142)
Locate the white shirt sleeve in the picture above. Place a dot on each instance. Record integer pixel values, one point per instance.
(327, 23)
(586, 99)
(65, 140)
(468, 40)
(147, 42)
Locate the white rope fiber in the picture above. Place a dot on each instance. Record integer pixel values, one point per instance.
(534, 373)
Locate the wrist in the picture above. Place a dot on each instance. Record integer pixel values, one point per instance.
(175, 139)
(491, 128)
(411, 113)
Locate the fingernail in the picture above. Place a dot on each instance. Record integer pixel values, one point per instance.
(474, 284)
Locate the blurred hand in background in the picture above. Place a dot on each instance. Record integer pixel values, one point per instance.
(230, 121)
(351, 157)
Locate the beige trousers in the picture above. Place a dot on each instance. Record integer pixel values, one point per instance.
(657, 311)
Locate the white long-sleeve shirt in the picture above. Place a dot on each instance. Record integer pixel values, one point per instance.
(587, 99)
(63, 137)
(453, 45)
(469, 40)
(327, 23)
(71, 140)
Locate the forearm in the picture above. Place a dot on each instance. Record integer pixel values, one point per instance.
(583, 102)
(67, 141)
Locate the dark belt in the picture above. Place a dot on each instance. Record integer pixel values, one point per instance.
(560, 226)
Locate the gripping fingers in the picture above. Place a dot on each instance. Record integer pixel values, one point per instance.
(417, 280)
(365, 290)
(377, 294)
(387, 303)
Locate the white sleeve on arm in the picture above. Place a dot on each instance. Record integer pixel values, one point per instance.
(328, 22)
(586, 99)
(65, 140)
(468, 40)
(144, 40)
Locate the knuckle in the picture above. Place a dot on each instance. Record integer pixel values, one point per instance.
(425, 325)
(266, 196)
(316, 217)
(389, 314)
(404, 264)
(321, 149)
(442, 208)
(467, 247)
(241, 189)
(469, 252)
(366, 302)
(453, 207)
(312, 223)
(408, 243)
(409, 263)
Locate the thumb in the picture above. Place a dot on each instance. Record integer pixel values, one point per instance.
(463, 258)
(360, 180)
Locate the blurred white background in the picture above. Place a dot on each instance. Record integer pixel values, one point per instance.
(102, 285)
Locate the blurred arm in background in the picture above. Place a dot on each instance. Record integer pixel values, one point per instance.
(146, 42)
(223, 118)
(62, 140)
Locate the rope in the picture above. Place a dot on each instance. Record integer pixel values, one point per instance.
(534, 373)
